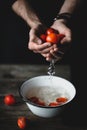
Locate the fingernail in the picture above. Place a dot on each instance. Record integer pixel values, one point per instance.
(55, 49)
(49, 44)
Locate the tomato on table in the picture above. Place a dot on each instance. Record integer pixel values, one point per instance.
(22, 122)
(9, 99)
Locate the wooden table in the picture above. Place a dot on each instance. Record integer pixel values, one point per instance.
(11, 78)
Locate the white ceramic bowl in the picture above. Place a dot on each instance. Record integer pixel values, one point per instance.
(47, 88)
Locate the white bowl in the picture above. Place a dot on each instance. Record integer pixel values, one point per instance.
(47, 88)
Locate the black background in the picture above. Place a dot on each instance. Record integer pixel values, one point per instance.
(14, 32)
(14, 37)
(14, 41)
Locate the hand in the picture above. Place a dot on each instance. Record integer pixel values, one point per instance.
(58, 51)
(48, 50)
(35, 43)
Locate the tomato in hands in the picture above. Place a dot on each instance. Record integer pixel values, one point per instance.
(9, 99)
(51, 36)
(50, 30)
(43, 37)
(22, 122)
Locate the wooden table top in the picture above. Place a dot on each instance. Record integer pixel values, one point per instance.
(11, 78)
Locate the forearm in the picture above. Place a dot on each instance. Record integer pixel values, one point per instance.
(25, 11)
(70, 6)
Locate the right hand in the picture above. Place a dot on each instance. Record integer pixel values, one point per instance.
(36, 44)
(58, 52)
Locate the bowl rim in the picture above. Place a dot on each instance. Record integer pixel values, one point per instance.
(26, 100)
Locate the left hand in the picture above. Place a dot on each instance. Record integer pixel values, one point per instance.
(56, 51)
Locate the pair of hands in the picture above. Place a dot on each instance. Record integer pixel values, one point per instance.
(48, 50)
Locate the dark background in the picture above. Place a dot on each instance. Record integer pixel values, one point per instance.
(14, 41)
(14, 33)
(14, 37)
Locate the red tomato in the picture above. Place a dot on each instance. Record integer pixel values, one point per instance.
(43, 37)
(53, 104)
(9, 99)
(61, 99)
(34, 99)
(52, 38)
(41, 103)
(37, 101)
(60, 36)
(50, 30)
(22, 122)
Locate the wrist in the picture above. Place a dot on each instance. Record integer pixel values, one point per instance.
(64, 17)
(59, 25)
(60, 21)
(33, 23)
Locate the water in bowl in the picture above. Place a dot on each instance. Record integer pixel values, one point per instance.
(48, 94)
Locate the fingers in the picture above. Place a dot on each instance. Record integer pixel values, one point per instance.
(68, 37)
(39, 48)
(51, 56)
(35, 43)
(56, 53)
(48, 50)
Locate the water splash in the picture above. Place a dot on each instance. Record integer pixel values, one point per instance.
(51, 69)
